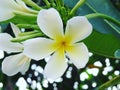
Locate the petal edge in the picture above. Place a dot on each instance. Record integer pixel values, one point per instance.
(56, 66)
(78, 54)
(77, 29)
(13, 64)
(50, 23)
(38, 48)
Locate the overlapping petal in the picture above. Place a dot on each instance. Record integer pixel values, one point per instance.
(5, 14)
(11, 65)
(15, 29)
(25, 63)
(78, 54)
(77, 29)
(39, 48)
(6, 9)
(7, 45)
(50, 23)
(22, 6)
(56, 66)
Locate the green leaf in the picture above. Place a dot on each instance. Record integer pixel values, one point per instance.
(100, 6)
(103, 44)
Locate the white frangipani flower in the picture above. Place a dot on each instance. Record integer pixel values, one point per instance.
(60, 43)
(7, 8)
(13, 64)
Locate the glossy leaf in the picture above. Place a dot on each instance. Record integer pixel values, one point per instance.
(103, 44)
(101, 6)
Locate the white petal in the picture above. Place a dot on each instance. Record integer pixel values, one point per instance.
(23, 6)
(6, 9)
(50, 23)
(11, 65)
(15, 29)
(77, 29)
(25, 63)
(21, 3)
(7, 45)
(79, 54)
(5, 14)
(56, 66)
(39, 48)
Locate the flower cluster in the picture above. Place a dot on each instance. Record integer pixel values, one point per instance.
(8, 7)
(61, 42)
(15, 63)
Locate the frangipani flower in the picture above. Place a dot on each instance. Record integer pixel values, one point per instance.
(60, 44)
(13, 64)
(7, 7)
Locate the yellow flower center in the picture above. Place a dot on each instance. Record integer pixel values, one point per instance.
(63, 44)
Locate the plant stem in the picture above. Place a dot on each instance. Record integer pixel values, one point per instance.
(58, 3)
(62, 2)
(79, 4)
(112, 82)
(32, 4)
(112, 26)
(28, 33)
(107, 21)
(47, 3)
(29, 26)
(52, 3)
(23, 38)
(23, 14)
(96, 15)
